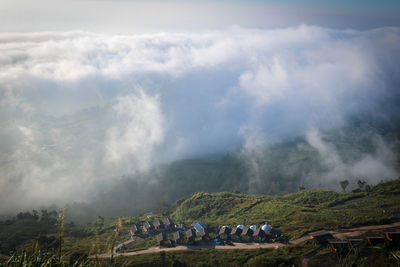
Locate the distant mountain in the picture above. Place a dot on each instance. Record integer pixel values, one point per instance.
(360, 150)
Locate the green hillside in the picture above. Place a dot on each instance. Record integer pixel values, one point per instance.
(277, 169)
(294, 214)
(297, 213)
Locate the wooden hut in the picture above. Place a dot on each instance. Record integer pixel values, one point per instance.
(148, 226)
(259, 235)
(162, 239)
(158, 224)
(134, 230)
(198, 226)
(178, 237)
(168, 223)
(190, 235)
(247, 234)
(236, 233)
(203, 233)
(224, 232)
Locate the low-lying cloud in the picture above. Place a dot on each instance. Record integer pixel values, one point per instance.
(379, 164)
(78, 110)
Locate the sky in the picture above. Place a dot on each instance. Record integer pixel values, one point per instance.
(93, 90)
(140, 16)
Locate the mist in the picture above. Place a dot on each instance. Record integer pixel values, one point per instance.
(83, 114)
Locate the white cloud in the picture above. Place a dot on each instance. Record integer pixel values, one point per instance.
(266, 82)
(72, 116)
(371, 167)
(139, 128)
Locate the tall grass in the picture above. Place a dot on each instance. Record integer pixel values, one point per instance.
(40, 259)
(117, 228)
(60, 226)
(396, 256)
(95, 248)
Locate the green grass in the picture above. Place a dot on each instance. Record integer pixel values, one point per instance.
(147, 243)
(294, 214)
(297, 213)
(211, 257)
(38, 258)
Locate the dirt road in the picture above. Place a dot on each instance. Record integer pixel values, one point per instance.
(199, 247)
(357, 231)
(340, 234)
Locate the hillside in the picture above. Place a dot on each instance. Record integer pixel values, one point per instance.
(297, 213)
(294, 214)
(368, 151)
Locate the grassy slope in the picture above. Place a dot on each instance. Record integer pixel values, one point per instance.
(298, 213)
(294, 214)
(286, 256)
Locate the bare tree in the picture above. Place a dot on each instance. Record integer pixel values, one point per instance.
(361, 183)
(344, 184)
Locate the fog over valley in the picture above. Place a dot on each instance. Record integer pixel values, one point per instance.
(120, 124)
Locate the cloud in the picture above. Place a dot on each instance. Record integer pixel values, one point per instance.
(136, 133)
(380, 164)
(79, 109)
(266, 82)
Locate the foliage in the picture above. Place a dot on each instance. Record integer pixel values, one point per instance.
(25, 227)
(146, 243)
(363, 256)
(297, 213)
(294, 214)
(37, 258)
(117, 229)
(211, 257)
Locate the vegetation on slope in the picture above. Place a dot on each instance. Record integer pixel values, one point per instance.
(294, 214)
(287, 256)
(27, 226)
(297, 213)
(277, 169)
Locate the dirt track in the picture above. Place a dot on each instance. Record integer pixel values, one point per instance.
(340, 234)
(358, 231)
